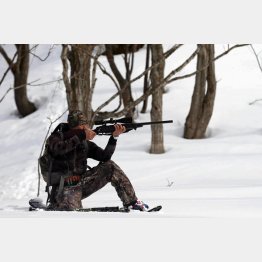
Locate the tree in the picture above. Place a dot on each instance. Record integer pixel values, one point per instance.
(79, 85)
(157, 77)
(20, 69)
(204, 93)
(124, 82)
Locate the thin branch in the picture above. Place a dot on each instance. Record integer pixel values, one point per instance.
(16, 87)
(253, 102)
(6, 57)
(260, 67)
(102, 68)
(259, 64)
(171, 50)
(43, 59)
(9, 67)
(31, 84)
(46, 83)
(229, 50)
(187, 61)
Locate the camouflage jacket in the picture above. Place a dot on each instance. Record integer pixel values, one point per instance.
(70, 151)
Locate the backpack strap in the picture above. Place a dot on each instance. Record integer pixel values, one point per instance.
(62, 182)
(48, 184)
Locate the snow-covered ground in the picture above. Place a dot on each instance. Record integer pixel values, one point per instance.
(220, 176)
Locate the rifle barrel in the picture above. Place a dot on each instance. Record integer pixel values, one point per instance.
(156, 122)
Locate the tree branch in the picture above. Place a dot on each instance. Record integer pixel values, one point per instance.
(9, 67)
(260, 67)
(171, 50)
(16, 87)
(111, 61)
(229, 50)
(187, 61)
(258, 62)
(6, 57)
(102, 68)
(197, 71)
(43, 59)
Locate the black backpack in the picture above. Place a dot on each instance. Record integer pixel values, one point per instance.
(51, 178)
(46, 160)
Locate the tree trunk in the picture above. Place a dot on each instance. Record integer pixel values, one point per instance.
(123, 82)
(146, 80)
(157, 76)
(203, 98)
(20, 71)
(78, 87)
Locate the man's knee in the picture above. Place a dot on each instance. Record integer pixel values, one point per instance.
(110, 164)
(106, 169)
(110, 169)
(113, 167)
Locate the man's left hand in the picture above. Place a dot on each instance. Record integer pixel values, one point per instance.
(119, 129)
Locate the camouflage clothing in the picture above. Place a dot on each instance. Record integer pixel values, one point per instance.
(70, 153)
(92, 181)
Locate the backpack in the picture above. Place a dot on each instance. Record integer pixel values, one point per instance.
(52, 179)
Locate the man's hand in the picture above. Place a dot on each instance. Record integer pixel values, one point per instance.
(90, 134)
(119, 129)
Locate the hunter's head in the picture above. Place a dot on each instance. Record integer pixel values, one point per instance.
(76, 118)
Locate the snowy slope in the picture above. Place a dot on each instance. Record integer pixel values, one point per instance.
(220, 176)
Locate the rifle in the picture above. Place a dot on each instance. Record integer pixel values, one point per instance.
(127, 122)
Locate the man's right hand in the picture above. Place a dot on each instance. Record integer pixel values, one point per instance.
(90, 134)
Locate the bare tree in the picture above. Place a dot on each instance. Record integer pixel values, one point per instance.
(20, 68)
(80, 84)
(203, 98)
(157, 77)
(124, 82)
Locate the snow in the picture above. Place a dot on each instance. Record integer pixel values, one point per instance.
(216, 177)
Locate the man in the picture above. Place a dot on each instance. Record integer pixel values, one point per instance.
(70, 151)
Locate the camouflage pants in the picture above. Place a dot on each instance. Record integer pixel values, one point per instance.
(92, 181)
